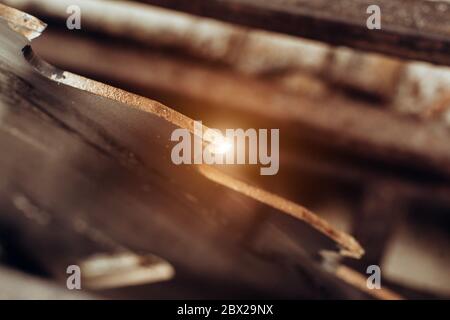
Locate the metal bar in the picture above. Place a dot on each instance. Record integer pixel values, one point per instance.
(412, 29)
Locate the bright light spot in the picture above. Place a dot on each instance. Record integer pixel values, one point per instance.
(218, 143)
(222, 147)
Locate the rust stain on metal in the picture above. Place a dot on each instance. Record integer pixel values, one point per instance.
(21, 22)
(349, 246)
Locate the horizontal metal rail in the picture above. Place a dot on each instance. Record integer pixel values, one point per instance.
(412, 29)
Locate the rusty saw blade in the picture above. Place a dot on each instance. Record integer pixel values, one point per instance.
(86, 169)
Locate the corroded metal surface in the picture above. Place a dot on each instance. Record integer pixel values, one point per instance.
(86, 169)
(21, 22)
